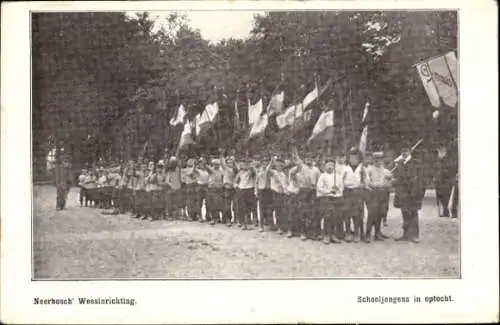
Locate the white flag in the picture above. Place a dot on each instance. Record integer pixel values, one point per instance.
(364, 139)
(259, 126)
(179, 116)
(254, 112)
(430, 88)
(443, 80)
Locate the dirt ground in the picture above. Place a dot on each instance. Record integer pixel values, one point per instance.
(82, 243)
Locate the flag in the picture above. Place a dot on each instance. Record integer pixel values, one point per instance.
(286, 118)
(236, 115)
(323, 129)
(259, 126)
(443, 80)
(275, 105)
(205, 120)
(450, 201)
(364, 134)
(179, 116)
(254, 111)
(430, 88)
(186, 135)
(313, 94)
(451, 59)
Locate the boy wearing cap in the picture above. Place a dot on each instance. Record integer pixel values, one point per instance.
(140, 200)
(202, 177)
(173, 189)
(81, 181)
(278, 185)
(229, 173)
(379, 180)
(188, 177)
(244, 184)
(355, 180)
(264, 194)
(303, 177)
(329, 192)
(214, 193)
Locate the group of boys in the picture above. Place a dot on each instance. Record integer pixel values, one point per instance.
(295, 196)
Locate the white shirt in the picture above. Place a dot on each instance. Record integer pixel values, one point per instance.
(327, 183)
(245, 179)
(352, 178)
(278, 181)
(292, 187)
(202, 176)
(378, 177)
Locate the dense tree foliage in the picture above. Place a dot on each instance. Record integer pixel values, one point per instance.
(105, 85)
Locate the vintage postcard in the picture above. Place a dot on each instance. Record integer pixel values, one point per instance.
(249, 162)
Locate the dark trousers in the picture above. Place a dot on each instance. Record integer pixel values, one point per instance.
(266, 203)
(173, 201)
(62, 194)
(279, 207)
(214, 203)
(227, 198)
(92, 196)
(443, 192)
(157, 204)
(353, 211)
(410, 223)
(83, 196)
(305, 214)
(377, 204)
(191, 201)
(115, 198)
(105, 194)
(245, 204)
(141, 202)
(292, 203)
(331, 209)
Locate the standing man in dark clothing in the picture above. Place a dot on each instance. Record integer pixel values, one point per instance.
(409, 185)
(63, 181)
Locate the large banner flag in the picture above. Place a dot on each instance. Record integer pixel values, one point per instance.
(186, 136)
(275, 105)
(254, 111)
(205, 120)
(440, 80)
(364, 134)
(323, 130)
(179, 116)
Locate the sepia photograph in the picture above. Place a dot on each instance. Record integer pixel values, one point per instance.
(313, 144)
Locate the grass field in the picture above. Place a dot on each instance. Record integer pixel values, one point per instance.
(82, 243)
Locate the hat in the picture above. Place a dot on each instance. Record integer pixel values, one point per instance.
(161, 163)
(378, 154)
(354, 151)
(216, 161)
(172, 159)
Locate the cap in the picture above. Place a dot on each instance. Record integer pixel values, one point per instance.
(354, 151)
(216, 161)
(378, 154)
(161, 163)
(172, 159)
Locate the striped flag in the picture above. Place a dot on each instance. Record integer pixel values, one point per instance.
(364, 134)
(275, 105)
(254, 111)
(206, 119)
(259, 126)
(179, 116)
(323, 130)
(186, 135)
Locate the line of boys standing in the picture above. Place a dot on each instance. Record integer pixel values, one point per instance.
(295, 192)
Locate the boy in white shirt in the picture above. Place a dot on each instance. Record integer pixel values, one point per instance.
(355, 180)
(278, 185)
(329, 192)
(379, 180)
(245, 199)
(81, 183)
